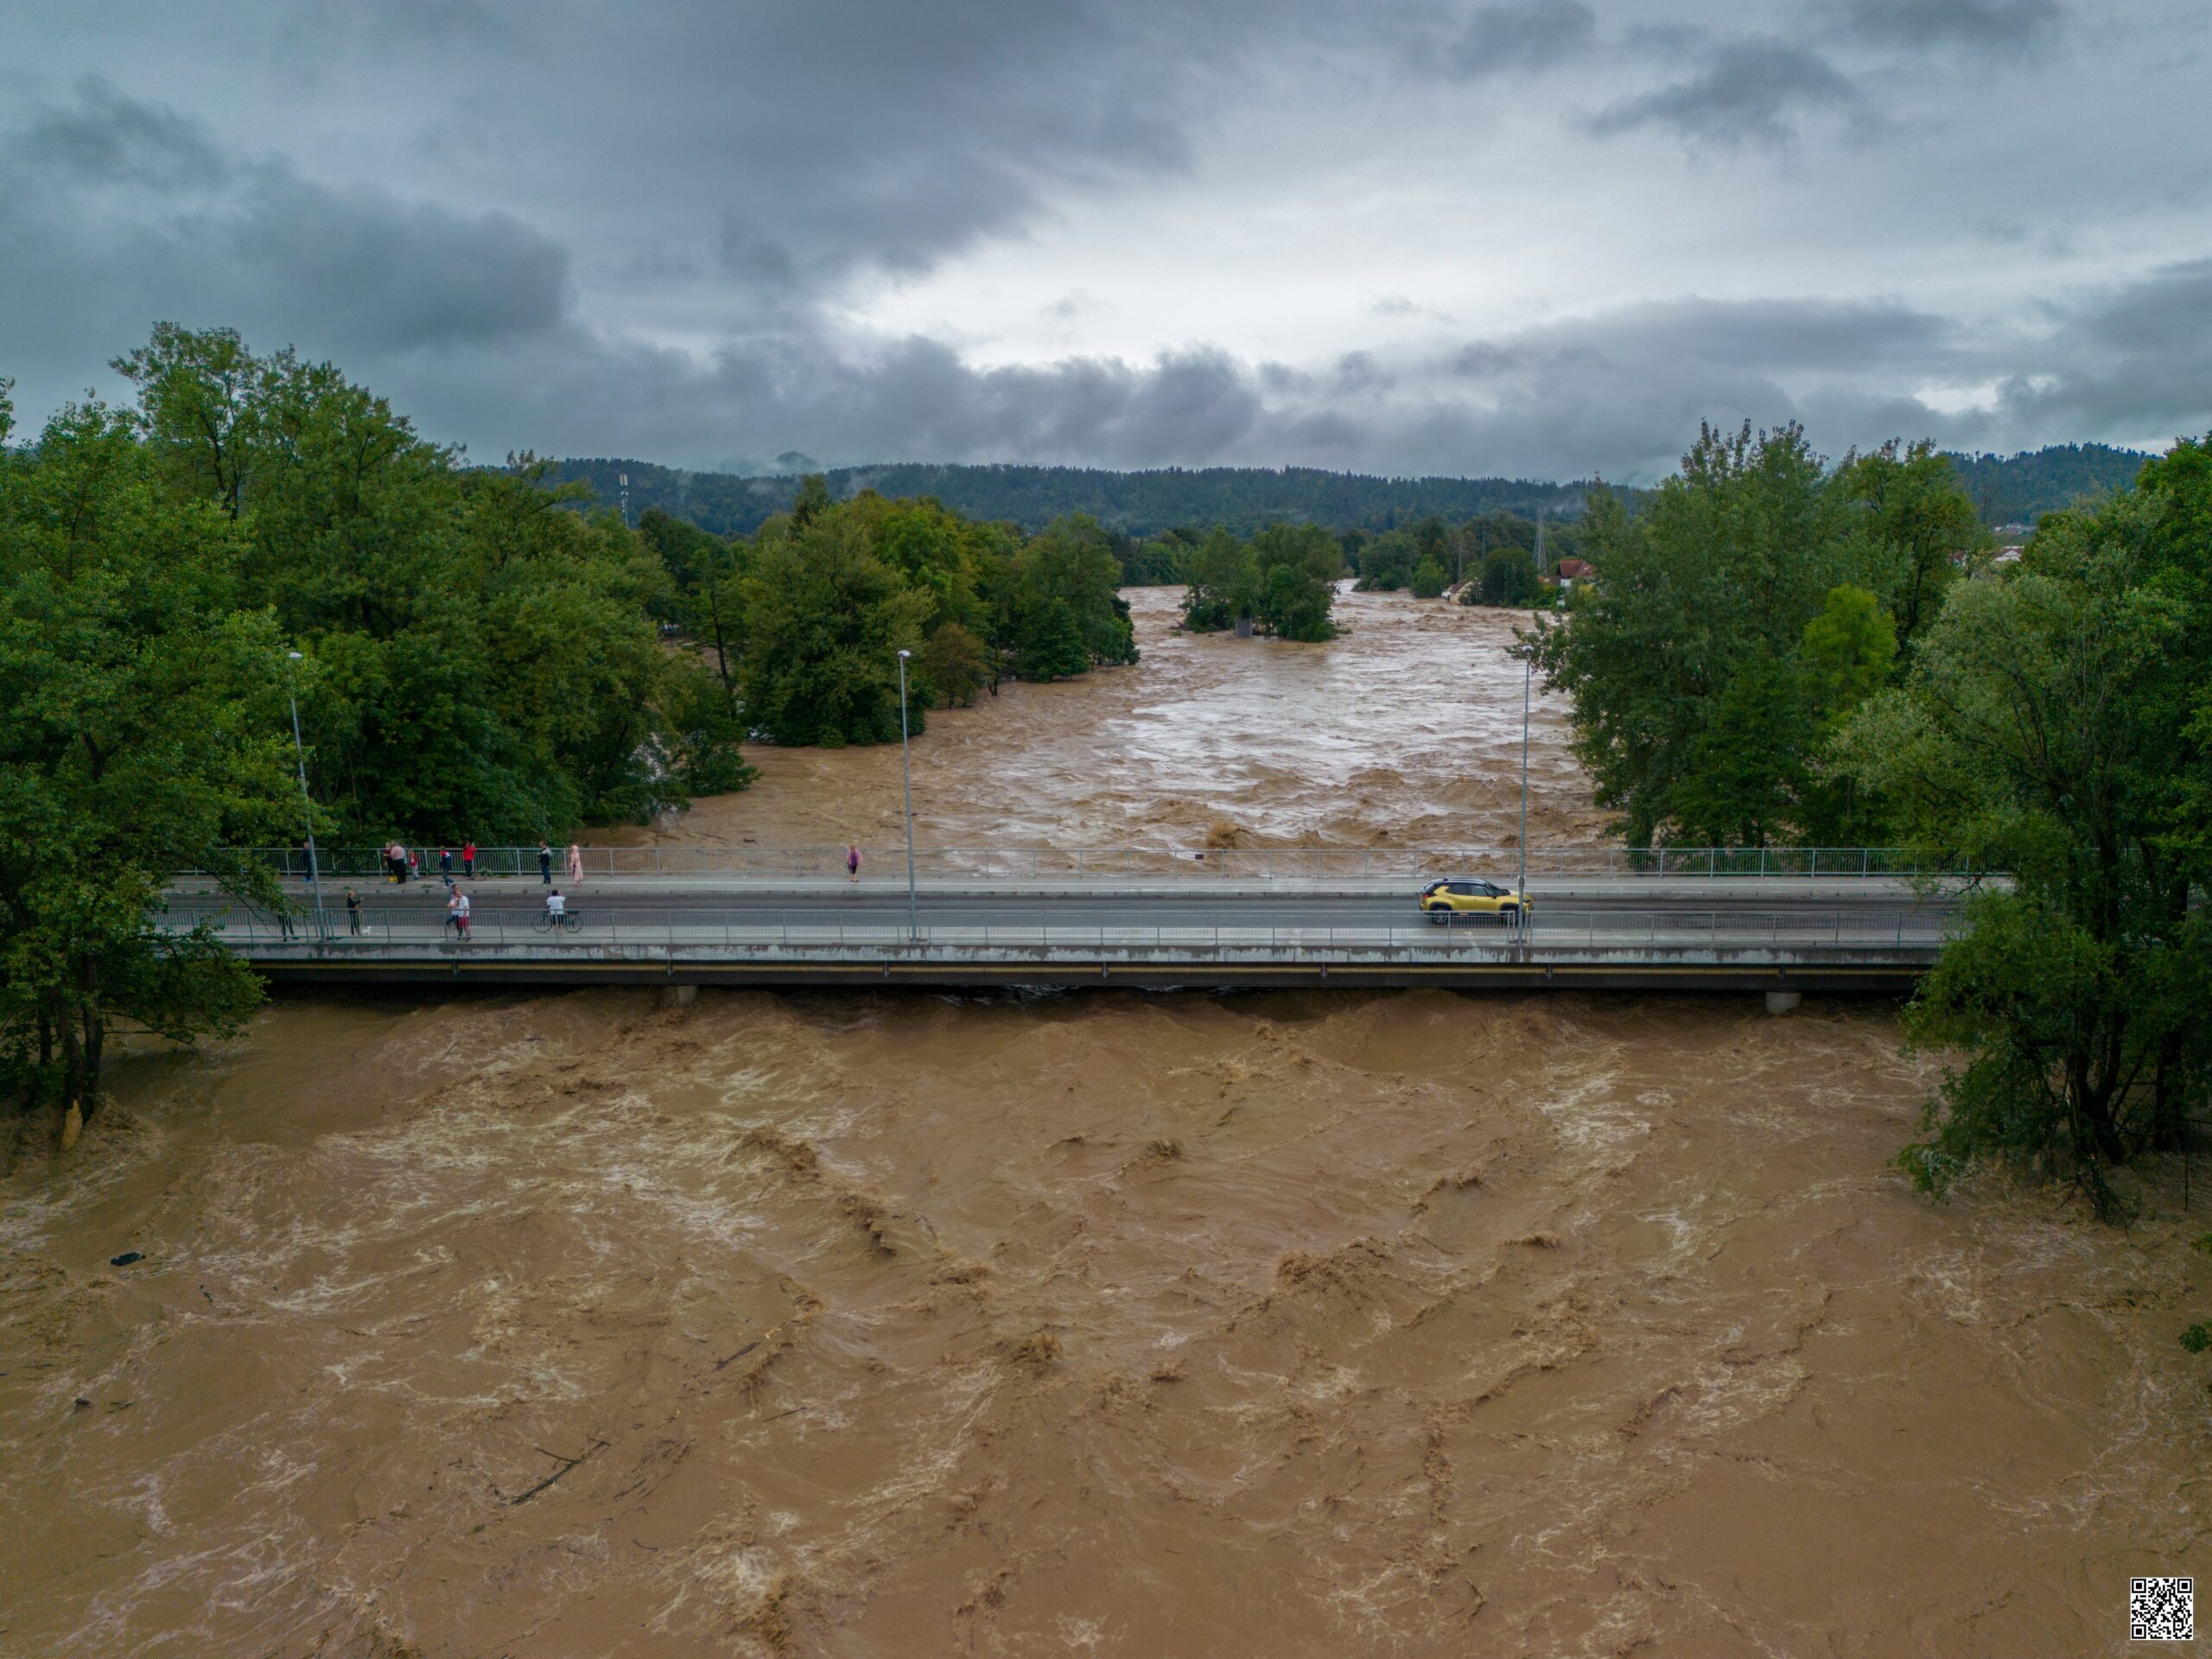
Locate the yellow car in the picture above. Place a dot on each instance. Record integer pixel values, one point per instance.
(1441, 900)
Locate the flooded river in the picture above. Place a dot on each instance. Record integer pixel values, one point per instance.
(1288, 1323)
(1405, 733)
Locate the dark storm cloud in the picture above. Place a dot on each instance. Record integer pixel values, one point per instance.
(1741, 93)
(1526, 35)
(87, 248)
(104, 138)
(2004, 26)
(2135, 357)
(682, 230)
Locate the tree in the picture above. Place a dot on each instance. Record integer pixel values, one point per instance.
(1427, 579)
(811, 502)
(826, 620)
(1705, 595)
(2054, 724)
(1048, 640)
(1224, 583)
(484, 660)
(706, 572)
(953, 665)
(1296, 568)
(1386, 563)
(1923, 525)
(140, 722)
(1072, 561)
(1507, 577)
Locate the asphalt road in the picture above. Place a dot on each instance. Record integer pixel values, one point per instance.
(1625, 906)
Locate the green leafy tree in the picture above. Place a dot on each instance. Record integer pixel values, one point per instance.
(1427, 579)
(811, 502)
(2054, 724)
(140, 714)
(954, 665)
(1509, 578)
(1707, 598)
(1296, 567)
(1048, 640)
(826, 619)
(1386, 563)
(1224, 583)
(706, 573)
(1072, 561)
(1923, 523)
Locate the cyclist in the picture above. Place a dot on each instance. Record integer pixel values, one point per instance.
(555, 906)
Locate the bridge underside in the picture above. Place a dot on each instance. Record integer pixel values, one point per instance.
(1884, 973)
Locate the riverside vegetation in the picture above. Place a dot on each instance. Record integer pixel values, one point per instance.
(1783, 653)
(468, 656)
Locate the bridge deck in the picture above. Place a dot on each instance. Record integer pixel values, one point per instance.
(1872, 936)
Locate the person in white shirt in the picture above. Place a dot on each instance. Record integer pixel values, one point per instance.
(556, 905)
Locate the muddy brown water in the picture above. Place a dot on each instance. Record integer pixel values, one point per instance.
(1405, 733)
(1308, 1324)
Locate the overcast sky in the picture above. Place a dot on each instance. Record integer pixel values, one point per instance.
(1542, 238)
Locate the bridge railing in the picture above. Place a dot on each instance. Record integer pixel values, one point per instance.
(384, 928)
(1036, 863)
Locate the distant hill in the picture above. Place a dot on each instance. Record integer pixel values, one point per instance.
(1245, 498)
(2019, 489)
(2007, 488)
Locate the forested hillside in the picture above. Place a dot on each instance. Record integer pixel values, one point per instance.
(2006, 489)
(2020, 489)
(1242, 499)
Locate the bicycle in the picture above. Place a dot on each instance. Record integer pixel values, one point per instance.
(567, 921)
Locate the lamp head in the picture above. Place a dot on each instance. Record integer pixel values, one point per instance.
(903, 655)
(294, 655)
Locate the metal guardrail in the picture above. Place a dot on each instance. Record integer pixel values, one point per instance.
(1030, 863)
(752, 929)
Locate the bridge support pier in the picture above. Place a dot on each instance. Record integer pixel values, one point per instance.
(1782, 1001)
(678, 996)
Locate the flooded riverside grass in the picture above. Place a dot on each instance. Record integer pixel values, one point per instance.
(1289, 1323)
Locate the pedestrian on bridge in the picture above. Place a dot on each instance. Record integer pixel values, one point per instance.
(352, 912)
(462, 917)
(545, 863)
(852, 864)
(468, 859)
(445, 864)
(453, 911)
(575, 863)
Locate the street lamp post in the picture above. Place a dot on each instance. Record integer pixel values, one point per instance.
(307, 806)
(1527, 653)
(906, 787)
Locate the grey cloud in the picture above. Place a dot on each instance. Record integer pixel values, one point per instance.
(105, 137)
(1744, 92)
(1359, 373)
(389, 275)
(2002, 26)
(353, 269)
(1523, 34)
(747, 251)
(2135, 359)
(1619, 393)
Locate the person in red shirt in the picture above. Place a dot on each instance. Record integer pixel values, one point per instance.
(468, 859)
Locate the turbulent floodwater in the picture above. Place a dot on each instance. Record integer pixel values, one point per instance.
(1405, 732)
(1271, 1324)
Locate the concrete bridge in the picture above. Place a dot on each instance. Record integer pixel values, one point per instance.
(1782, 934)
